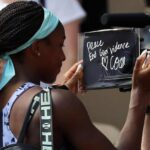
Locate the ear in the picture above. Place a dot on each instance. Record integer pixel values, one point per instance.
(35, 48)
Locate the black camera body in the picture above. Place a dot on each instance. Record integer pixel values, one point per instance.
(109, 55)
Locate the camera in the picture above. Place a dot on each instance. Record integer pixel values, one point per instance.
(109, 54)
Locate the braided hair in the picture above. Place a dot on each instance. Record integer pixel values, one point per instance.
(19, 21)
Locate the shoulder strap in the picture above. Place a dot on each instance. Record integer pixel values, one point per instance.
(31, 110)
(46, 120)
(45, 100)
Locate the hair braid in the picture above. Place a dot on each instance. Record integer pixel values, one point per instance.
(19, 21)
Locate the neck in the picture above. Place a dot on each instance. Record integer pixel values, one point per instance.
(24, 73)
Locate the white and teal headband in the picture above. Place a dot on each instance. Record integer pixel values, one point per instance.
(50, 22)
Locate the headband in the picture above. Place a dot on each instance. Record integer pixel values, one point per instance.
(50, 22)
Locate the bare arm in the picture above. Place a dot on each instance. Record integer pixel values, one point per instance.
(132, 131)
(146, 132)
(74, 121)
(131, 134)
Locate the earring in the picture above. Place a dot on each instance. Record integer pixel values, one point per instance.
(39, 54)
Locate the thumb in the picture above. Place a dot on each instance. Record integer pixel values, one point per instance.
(139, 63)
(72, 82)
(72, 70)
